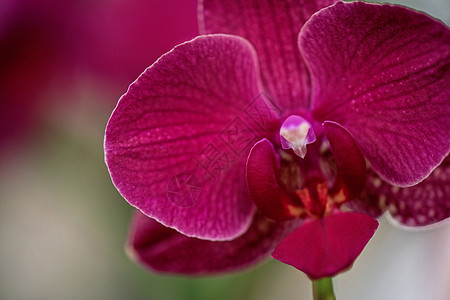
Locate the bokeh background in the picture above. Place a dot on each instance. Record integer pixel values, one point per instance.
(63, 66)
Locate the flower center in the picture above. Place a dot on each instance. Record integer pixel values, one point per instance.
(296, 133)
(315, 197)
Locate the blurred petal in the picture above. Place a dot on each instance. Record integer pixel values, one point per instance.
(326, 246)
(177, 142)
(163, 249)
(383, 73)
(35, 58)
(423, 204)
(350, 163)
(272, 27)
(121, 37)
(262, 179)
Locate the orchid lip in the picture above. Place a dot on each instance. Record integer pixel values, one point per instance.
(296, 133)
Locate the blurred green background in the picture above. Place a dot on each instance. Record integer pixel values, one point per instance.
(63, 224)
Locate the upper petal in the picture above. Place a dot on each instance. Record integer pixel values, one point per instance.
(272, 27)
(383, 72)
(177, 142)
(163, 249)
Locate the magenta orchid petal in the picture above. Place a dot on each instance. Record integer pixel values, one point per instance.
(326, 246)
(164, 249)
(262, 168)
(350, 162)
(272, 27)
(423, 204)
(177, 142)
(148, 27)
(383, 73)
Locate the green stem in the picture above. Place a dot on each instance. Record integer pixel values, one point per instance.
(323, 289)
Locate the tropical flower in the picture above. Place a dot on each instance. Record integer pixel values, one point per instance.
(255, 136)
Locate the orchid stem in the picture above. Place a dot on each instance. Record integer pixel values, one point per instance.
(323, 289)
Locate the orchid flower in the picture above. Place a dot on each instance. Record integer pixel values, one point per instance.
(289, 125)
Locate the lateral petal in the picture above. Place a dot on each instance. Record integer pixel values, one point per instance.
(383, 73)
(177, 142)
